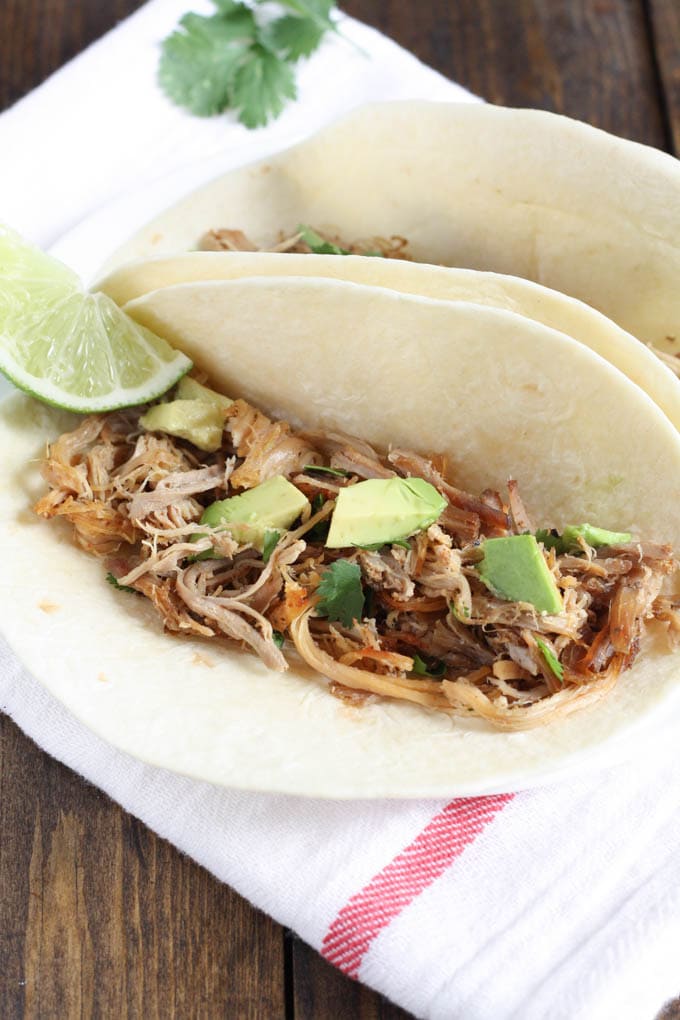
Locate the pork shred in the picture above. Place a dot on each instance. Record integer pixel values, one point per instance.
(229, 239)
(432, 632)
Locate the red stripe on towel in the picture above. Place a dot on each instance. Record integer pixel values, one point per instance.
(406, 876)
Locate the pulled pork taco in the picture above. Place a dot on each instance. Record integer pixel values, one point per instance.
(457, 520)
(549, 307)
(521, 192)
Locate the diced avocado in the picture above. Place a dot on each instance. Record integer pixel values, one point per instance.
(596, 537)
(189, 389)
(272, 506)
(514, 568)
(383, 510)
(197, 421)
(569, 540)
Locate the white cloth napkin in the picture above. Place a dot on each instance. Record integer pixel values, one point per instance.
(562, 902)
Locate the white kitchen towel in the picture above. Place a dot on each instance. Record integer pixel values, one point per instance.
(562, 902)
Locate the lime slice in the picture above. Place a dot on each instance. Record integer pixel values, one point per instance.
(72, 349)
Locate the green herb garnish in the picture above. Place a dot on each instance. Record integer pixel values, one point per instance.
(241, 58)
(319, 533)
(326, 470)
(553, 663)
(318, 244)
(463, 614)
(435, 668)
(278, 638)
(570, 540)
(269, 543)
(341, 594)
(113, 581)
(550, 539)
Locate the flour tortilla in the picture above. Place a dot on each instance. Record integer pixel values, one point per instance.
(541, 304)
(522, 192)
(500, 394)
(497, 393)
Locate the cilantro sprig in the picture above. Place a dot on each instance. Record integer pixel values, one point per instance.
(318, 245)
(271, 540)
(241, 58)
(341, 596)
(113, 581)
(434, 667)
(551, 660)
(311, 468)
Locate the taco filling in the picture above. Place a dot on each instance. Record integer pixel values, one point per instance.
(372, 566)
(305, 241)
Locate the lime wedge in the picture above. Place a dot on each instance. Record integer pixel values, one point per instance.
(72, 349)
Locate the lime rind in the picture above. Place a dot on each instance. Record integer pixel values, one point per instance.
(55, 397)
(72, 349)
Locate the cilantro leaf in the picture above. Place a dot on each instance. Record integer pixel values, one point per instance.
(318, 533)
(462, 614)
(278, 638)
(318, 244)
(313, 10)
(341, 594)
(293, 37)
(262, 84)
(199, 61)
(240, 59)
(271, 540)
(120, 587)
(326, 470)
(553, 663)
(228, 7)
(435, 668)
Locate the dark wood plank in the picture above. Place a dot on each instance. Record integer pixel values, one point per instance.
(37, 37)
(665, 22)
(100, 918)
(589, 59)
(322, 993)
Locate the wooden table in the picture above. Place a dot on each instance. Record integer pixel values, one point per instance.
(98, 916)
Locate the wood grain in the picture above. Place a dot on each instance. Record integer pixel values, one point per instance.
(99, 917)
(590, 59)
(320, 992)
(665, 24)
(38, 36)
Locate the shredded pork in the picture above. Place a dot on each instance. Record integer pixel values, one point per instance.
(432, 632)
(226, 239)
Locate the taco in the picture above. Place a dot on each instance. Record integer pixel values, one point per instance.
(565, 314)
(448, 400)
(520, 192)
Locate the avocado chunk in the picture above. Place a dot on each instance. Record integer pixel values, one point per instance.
(197, 421)
(383, 510)
(189, 389)
(272, 506)
(514, 568)
(568, 541)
